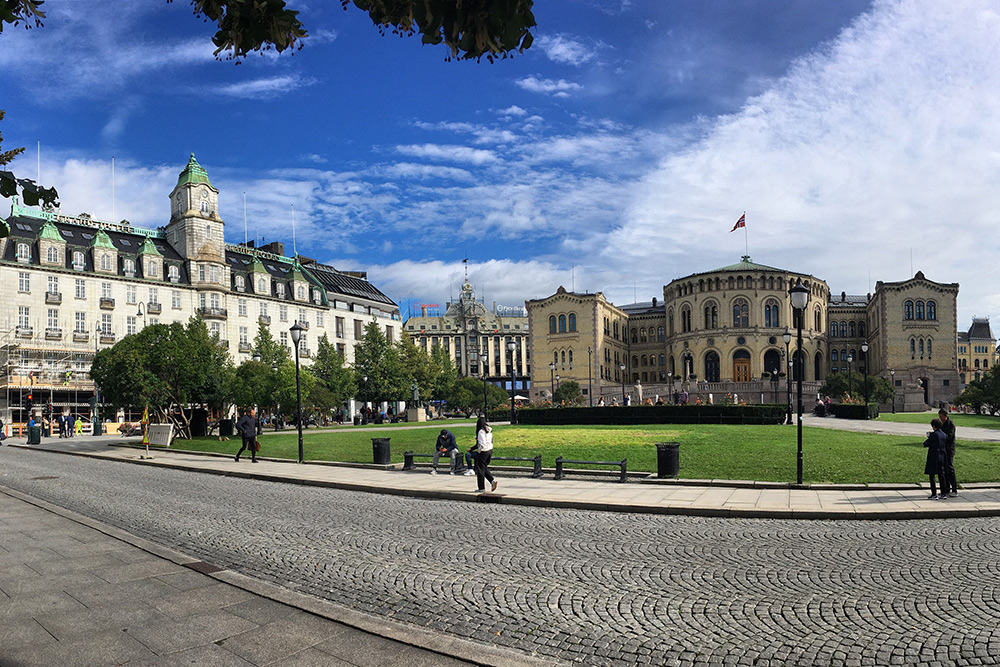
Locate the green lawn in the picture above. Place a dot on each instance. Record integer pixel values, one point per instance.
(973, 421)
(707, 451)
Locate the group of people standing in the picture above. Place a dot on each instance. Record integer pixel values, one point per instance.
(940, 464)
(477, 458)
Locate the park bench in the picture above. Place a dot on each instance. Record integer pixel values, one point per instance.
(536, 462)
(560, 461)
(409, 455)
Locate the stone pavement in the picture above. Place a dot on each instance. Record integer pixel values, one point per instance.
(719, 498)
(74, 591)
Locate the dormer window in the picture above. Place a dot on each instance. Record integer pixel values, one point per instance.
(52, 255)
(239, 284)
(105, 261)
(128, 266)
(151, 270)
(301, 293)
(261, 286)
(174, 274)
(280, 289)
(78, 262)
(23, 253)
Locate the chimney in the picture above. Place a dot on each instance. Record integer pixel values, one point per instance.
(843, 296)
(423, 311)
(494, 307)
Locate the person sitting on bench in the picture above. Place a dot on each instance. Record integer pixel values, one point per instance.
(445, 445)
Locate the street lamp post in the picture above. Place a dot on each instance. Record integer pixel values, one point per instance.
(774, 384)
(892, 381)
(141, 313)
(96, 416)
(622, 367)
(787, 337)
(484, 358)
(296, 332)
(850, 363)
(511, 346)
(799, 295)
(590, 367)
(552, 381)
(670, 384)
(864, 351)
(557, 381)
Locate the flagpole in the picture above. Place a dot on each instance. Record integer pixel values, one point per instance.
(746, 235)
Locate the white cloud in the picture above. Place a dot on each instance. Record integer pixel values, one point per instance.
(565, 50)
(513, 110)
(560, 88)
(263, 88)
(475, 156)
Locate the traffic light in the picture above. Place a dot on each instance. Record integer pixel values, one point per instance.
(27, 403)
(48, 409)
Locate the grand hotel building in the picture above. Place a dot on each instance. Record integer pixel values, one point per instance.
(71, 285)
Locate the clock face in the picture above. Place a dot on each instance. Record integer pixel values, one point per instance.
(204, 194)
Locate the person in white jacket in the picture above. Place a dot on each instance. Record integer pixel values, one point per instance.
(484, 452)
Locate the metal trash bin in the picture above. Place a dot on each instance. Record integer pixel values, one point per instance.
(668, 459)
(380, 450)
(357, 420)
(98, 430)
(34, 435)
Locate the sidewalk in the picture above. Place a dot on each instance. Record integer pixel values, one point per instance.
(74, 591)
(719, 498)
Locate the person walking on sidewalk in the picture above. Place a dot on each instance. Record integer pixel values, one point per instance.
(934, 466)
(247, 427)
(447, 446)
(484, 452)
(948, 428)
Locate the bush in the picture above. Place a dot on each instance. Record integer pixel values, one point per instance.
(851, 411)
(657, 414)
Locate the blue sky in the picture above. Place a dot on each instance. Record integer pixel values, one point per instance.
(614, 155)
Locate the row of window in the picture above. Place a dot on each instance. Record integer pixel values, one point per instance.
(104, 259)
(740, 316)
(847, 329)
(562, 323)
(279, 288)
(984, 364)
(919, 310)
(733, 282)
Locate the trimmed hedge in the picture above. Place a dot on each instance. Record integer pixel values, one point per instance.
(655, 414)
(845, 411)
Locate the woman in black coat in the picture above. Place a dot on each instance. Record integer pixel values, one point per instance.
(934, 466)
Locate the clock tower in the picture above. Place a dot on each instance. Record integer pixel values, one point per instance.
(195, 229)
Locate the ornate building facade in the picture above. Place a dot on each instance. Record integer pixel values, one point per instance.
(73, 285)
(977, 350)
(724, 331)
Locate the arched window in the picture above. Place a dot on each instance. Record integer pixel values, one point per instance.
(834, 356)
(128, 266)
(280, 288)
(920, 310)
(615, 326)
(732, 282)
(861, 329)
(174, 273)
(151, 271)
(853, 331)
(907, 310)
(833, 329)
(562, 324)
(552, 324)
(913, 348)
(931, 310)
(711, 316)
(643, 361)
(685, 319)
(105, 261)
(571, 358)
(204, 208)
(929, 350)
(239, 283)
(572, 321)
(660, 334)
(818, 319)
(301, 292)
(635, 335)
(635, 362)
(663, 360)
(771, 313)
(670, 321)
(843, 329)
(741, 314)
(642, 334)
(52, 255)
(770, 283)
(739, 282)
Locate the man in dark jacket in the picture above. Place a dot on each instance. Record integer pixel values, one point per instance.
(935, 463)
(445, 445)
(246, 426)
(950, 486)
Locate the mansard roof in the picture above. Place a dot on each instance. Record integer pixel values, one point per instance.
(193, 173)
(338, 282)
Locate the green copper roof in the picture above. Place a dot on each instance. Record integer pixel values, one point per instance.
(148, 248)
(49, 232)
(193, 173)
(102, 240)
(297, 270)
(4, 229)
(257, 265)
(746, 265)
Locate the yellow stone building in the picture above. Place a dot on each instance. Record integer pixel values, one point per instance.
(977, 350)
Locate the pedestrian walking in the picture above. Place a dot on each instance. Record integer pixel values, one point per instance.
(484, 452)
(78, 427)
(247, 427)
(934, 466)
(950, 486)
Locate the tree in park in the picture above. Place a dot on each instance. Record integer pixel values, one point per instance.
(334, 378)
(444, 374)
(417, 365)
(983, 393)
(171, 368)
(568, 393)
(377, 369)
(880, 389)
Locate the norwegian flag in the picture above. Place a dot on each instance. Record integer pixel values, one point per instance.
(742, 222)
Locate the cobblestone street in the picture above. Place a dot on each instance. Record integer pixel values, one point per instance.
(598, 588)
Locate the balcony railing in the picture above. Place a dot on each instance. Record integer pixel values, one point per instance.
(154, 308)
(53, 297)
(107, 337)
(53, 333)
(304, 325)
(81, 336)
(265, 319)
(107, 303)
(304, 352)
(213, 312)
(245, 347)
(24, 332)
